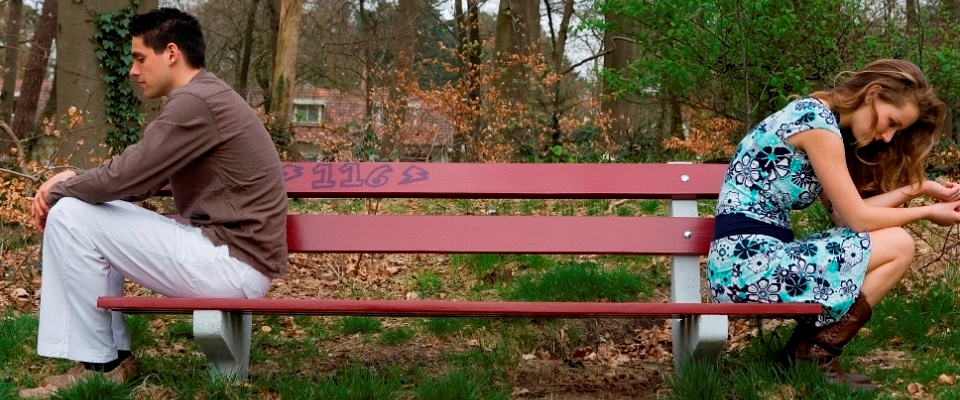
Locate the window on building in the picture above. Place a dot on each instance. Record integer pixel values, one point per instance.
(307, 112)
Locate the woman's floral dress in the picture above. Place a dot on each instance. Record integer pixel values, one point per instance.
(768, 178)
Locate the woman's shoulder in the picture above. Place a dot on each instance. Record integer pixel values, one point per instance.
(808, 113)
(808, 104)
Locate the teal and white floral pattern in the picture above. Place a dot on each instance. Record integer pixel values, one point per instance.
(768, 178)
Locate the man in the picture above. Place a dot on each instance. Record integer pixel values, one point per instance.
(213, 151)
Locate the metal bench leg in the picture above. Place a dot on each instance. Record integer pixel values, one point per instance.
(225, 340)
(700, 337)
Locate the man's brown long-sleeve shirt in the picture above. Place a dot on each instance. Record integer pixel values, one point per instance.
(213, 150)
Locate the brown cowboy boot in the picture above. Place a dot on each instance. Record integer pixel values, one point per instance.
(825, 344)
(802, 332)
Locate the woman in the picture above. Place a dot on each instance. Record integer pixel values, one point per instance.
(861, 148)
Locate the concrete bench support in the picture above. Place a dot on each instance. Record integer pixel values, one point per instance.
(224, 338)
(699, 337)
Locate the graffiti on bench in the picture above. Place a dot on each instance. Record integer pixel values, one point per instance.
(373, 175)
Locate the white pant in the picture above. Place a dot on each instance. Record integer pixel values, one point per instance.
(88, 250)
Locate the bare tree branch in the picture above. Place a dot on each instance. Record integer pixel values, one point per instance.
(22, 158)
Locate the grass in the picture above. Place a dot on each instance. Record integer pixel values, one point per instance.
(351, 325)
(917, 328)
(396, 336)
(448, 326)
(579, 282)
(914, 336)
(918, 325)
(18, 332)
(429, 284)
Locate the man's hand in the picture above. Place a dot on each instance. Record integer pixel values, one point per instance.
(949, 191)
(40, 207)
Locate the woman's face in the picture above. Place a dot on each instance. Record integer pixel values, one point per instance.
(879, 120)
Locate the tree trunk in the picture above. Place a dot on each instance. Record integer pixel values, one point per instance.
(47, 114)
(273, 7)
(85, 88)
(468, 40)
(517, 33)
(913, 19)
(953, 9)
(285, 66)
(11, 57)
(560, 42)
(36, 70)
(395, 109)
(244, 76)
(623, 113)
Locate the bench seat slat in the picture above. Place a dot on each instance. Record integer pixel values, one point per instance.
(436, 308)
(498, 234)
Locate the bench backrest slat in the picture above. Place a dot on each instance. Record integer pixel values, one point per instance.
(498, 234)
(502, 181)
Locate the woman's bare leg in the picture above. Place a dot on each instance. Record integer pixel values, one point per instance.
(891, 252)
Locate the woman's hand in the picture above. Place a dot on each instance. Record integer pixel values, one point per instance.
(949, 191)
(945, 214)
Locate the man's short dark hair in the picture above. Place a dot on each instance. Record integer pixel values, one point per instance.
(162, 26)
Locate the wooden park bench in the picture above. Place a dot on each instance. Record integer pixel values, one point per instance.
(223, 326)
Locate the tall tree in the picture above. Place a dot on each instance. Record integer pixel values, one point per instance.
(285, 66)
(517, 36)
(243, 77)
(263, 71)
(620, 51)
(36, 71)
(727, 56)
(85, 88)
(404, 48)
(953, 9)
(469, 49)
(11, 57)
(558, 37)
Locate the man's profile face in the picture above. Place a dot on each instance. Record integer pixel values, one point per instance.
(151, 69)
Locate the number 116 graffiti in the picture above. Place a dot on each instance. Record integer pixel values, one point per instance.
(351, 175)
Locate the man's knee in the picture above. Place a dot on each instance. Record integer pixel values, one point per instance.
(66, 209)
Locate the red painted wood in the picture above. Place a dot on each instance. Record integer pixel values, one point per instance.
(489, 234)
(428, 308)
(497, 234)
(503, 181)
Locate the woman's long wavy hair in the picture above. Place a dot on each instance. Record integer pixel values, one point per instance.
(877, 167)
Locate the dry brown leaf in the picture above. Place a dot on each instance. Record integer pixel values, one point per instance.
(582, 352)
(915, 388)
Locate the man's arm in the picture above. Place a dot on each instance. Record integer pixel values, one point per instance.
(183, 131)
(147, 194)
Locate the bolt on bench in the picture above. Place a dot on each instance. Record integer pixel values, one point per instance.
(223, 326)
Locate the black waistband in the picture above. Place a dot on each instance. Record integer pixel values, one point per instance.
(739, 224)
